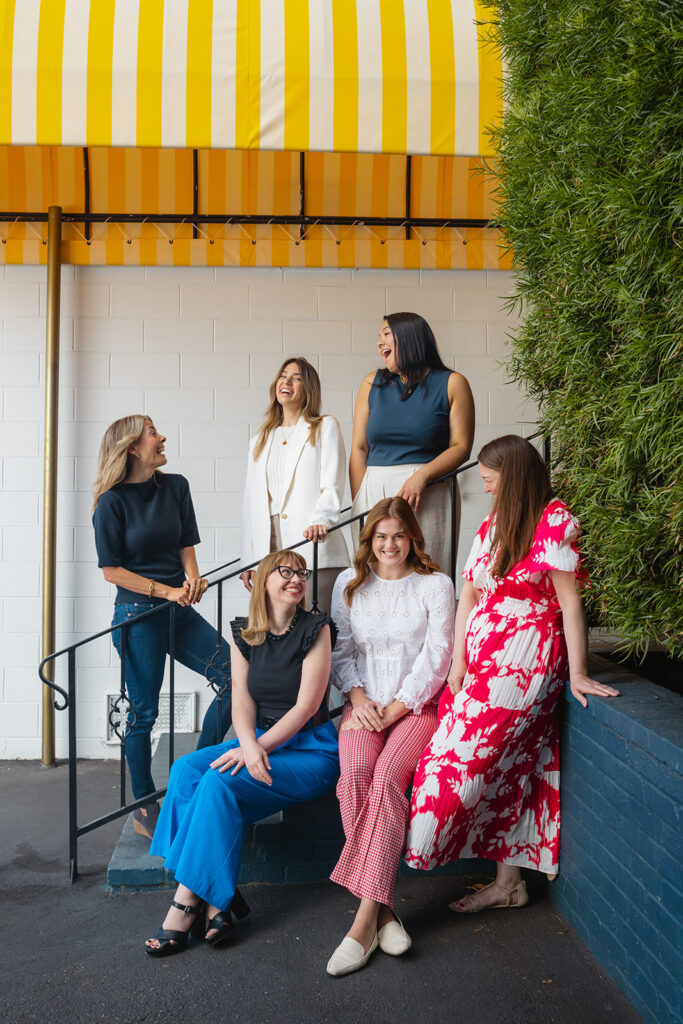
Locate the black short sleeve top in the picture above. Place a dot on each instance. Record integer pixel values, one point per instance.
(274, 675)
(142, 527)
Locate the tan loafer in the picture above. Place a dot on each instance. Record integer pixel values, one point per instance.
(349, 956)
(393, 938)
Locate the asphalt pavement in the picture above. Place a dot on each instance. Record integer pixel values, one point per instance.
(74, 954)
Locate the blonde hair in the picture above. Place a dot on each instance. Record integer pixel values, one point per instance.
(311, 408)
(418, 560)
(255, 631)
(112, 461)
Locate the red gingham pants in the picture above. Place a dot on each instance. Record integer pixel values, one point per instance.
(376, 770)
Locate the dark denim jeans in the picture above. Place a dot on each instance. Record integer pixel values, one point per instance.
(147, 645)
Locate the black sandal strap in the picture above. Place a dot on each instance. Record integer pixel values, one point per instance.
(222, 919)
(187, 909)
(170, 935)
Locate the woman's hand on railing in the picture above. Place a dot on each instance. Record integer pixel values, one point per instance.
(195, 589)
(247, 578)
(316, 531)
(412, 489)
(456, 675)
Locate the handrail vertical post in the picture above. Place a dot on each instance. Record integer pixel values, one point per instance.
(123, 731)
(219, 694)
(315, 576)
(454, 524)
(171, 682)
(54, 253)
(73, 778)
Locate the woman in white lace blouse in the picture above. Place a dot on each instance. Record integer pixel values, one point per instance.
(394, 611)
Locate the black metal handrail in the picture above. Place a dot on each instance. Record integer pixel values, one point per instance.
(122, 714)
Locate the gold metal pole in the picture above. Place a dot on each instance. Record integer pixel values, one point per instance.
(54, 268)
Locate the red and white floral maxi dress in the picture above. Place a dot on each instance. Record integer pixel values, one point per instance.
(488, 783)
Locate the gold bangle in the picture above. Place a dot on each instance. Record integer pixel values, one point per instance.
(150, 589)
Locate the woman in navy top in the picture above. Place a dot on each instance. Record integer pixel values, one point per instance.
(413, 422)
(145, 533)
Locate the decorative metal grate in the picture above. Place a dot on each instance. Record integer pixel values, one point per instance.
(185, 714)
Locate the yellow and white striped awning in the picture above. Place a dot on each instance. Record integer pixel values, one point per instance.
(136, 182)
(349, 76)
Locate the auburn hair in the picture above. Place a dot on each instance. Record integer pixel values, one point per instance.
(418, 560)
(311, 408)
(522, 492)
(114, 456)
(254, 633)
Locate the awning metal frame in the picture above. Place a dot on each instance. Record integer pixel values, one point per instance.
(302, 220)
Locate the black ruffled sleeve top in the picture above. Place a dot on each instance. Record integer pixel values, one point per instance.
(274, 673)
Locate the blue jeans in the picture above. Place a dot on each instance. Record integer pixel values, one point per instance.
(147, 644)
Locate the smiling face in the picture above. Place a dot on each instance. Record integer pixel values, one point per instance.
(490, 478)
(289, 388)
(387, 347)
(390, 546)
(148, 450)
(285, 592)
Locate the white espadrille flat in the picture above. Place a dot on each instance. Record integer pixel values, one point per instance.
(349, 956)
(393, 938)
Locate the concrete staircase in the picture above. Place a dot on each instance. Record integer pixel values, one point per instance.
(300, 844)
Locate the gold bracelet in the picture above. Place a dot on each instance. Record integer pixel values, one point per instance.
(150, 589)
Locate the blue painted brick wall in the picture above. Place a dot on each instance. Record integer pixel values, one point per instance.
(620, 884)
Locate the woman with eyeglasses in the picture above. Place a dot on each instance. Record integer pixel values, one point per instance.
(285, 753)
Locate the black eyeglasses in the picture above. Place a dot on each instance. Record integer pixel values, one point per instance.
(288, 573)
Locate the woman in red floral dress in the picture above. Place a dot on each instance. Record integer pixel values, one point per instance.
(488, 783)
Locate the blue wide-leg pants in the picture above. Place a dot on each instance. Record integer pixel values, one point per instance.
(200, 827)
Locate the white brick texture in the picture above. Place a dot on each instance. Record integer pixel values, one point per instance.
(196, 348)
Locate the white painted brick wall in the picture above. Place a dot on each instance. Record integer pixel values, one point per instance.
(196, 348)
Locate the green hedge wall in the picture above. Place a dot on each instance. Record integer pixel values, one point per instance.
(591, 194)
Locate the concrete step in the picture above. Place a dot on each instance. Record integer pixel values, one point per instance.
(301, 844)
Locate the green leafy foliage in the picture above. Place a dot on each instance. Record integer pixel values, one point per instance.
(591, 204)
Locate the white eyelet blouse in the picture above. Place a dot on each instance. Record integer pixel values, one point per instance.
(396, 639)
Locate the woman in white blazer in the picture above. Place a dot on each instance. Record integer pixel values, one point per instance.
(295, 478)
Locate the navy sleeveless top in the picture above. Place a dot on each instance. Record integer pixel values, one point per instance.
(414, 430)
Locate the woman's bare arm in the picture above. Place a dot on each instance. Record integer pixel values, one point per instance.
(574, 625)
(461, 437)
(359, 442)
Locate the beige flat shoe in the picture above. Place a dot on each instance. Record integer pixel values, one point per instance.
(472, 905)
(393, 938)
(349, 956)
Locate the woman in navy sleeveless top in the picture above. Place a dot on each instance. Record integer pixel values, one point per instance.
(413, 422)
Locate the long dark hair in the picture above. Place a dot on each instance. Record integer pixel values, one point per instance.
(523, 491)
(418, 560)
(416, 351)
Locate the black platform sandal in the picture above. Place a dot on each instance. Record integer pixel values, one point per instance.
(171, 941)
(239, 906)
(223, 924)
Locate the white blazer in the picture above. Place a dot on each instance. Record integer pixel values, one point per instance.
(312, 493)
